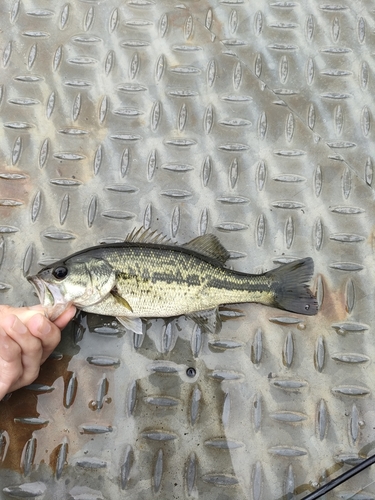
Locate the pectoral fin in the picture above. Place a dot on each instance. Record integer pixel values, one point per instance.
(209, 321)
(133, 324)
(121, 300)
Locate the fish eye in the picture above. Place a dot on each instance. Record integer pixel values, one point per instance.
(60, 272)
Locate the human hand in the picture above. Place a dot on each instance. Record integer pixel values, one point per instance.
(27, 338)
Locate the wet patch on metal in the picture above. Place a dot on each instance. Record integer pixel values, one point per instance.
(249, 121)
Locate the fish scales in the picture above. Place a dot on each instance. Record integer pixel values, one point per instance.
(163, 281)
(147, 277)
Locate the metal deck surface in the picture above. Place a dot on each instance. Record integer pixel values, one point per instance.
(250, 120)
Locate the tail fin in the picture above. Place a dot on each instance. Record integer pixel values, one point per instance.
(290, 287)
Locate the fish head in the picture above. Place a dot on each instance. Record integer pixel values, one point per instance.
(79, 280)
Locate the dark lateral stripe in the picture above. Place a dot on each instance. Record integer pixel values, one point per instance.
(190, 279)
(163, 277)
(234, 283)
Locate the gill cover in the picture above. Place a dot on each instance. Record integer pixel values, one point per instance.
(89, 279)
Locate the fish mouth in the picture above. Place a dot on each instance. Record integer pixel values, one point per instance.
(45, 296)
(50, 297)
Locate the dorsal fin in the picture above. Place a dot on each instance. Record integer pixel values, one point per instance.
(210, 246)
(143, 235)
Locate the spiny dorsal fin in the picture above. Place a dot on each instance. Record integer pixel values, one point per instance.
(143, 235)
(210, 246)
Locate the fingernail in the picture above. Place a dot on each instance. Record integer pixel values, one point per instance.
(45, 327)
(18, 326)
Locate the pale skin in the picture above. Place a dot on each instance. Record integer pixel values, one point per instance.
(27, 338)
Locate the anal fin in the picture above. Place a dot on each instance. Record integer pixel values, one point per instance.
(209, 321)
(133, 324)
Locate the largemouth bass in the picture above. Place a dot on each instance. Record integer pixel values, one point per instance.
(148, 276)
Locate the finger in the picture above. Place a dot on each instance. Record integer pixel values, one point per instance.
(31, 347)
(10, 363)
(65, 317)
(23, 313)
(48, 334)
(10, 351)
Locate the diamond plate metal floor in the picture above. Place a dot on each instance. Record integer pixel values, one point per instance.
(251, 120)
